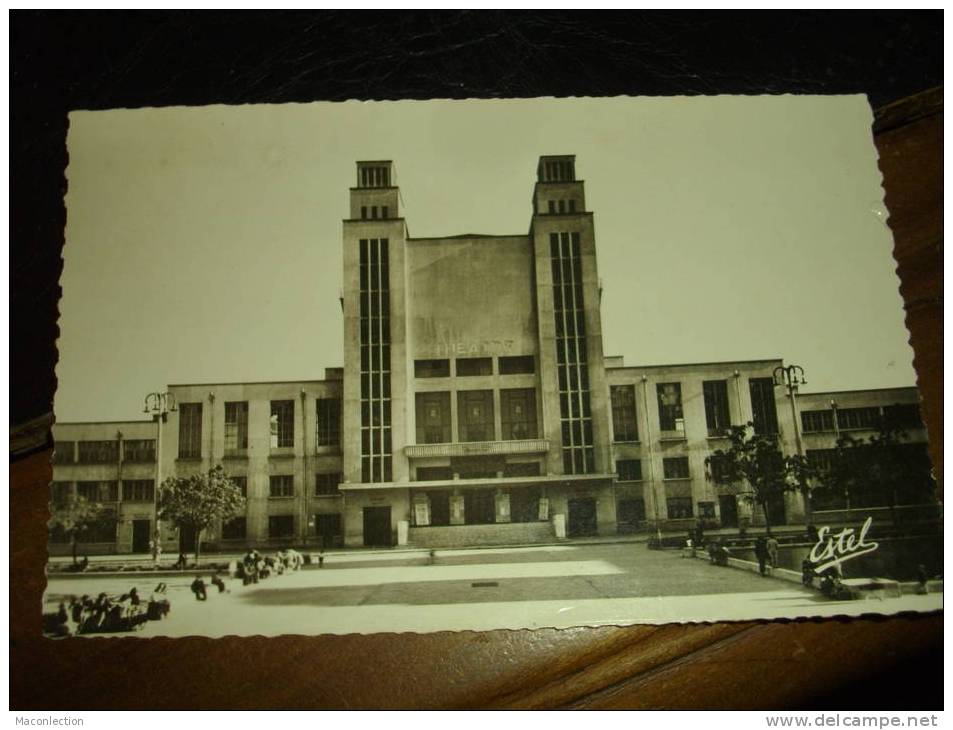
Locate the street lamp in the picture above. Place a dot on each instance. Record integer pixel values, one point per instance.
(159, 405)
(791, 377)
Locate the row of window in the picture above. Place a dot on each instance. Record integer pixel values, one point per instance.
(630, 470)
(105, 452)
(467, 471)
(279, 526)
(104, 491)
(900, 416)
(371, 212)
(475, 416)
(671, 415)
(143, 490)
(374, 177)
(557, 171)
(561, 206)
(281, 426)
(473, 366)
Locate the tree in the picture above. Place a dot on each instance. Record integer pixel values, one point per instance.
(195, 502)
(74, 516)
(880, 471)
(756, 468)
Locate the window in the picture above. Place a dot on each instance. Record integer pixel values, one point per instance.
(236, 426)
(374, 324)
(374, 211)
(679, 508)
(328, 416)
(821, 459)
(431, 368)
(326, 484)
(624, 426)
(718, 467)
(630, 513)
(434, 473)
(717, 413)
(282, 424)
(142, 451)
(557, 171)
(525, 469)
(241, 483)
(706, 510)
(64, 452)
(517, 364)
(138, 490)
(98, 452)
(375, 177)
(670, 408)
(475, 415)
(60, 492)
(280, 526)
(101, 491)
(903, 416)
(572, 357)
(364, 212)
(518, 413)
(433, 418)
(629, 470)
(552, 206)
(562, 206)
(763, 409)
(675, 467)
(816, 421)
(849, 419)
(281, 486)
(469, 366)
(572, 206)
(384, 212)
(190, 430)
(234, 529)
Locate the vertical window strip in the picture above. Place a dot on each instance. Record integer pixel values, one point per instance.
(572, 362)
(375, 361)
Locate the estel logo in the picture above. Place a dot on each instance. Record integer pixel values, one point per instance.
(837, 549)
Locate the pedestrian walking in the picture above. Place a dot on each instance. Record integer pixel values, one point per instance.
(772, 547)
(198, 588)
(761, 553)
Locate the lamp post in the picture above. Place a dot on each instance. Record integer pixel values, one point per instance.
(791, 377)
(159, 405)
(655, 502)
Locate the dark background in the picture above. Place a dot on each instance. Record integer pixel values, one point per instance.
(95, 60)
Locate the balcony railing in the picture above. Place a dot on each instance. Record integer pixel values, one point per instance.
(477, 448)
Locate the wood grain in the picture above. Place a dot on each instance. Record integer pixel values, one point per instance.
(801, 664)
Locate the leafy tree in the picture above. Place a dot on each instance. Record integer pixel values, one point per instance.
(74, 516)
(196, 502)
(755, 467)
(880, 471)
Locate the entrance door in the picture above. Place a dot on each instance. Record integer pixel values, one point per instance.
(377, 530)
(582, 517)
(728, 507)
(630, 515)
(440, 508)
(328, 528)
(479, 507)
(141, 535)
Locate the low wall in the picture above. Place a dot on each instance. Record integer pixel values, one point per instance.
(515, 533)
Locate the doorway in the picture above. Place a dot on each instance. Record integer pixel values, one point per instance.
(141, 535)
(377, 527)
(479, 507)
(728, 508)
(582, 517)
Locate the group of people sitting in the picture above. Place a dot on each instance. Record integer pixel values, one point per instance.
(255, 567)
(106, 614)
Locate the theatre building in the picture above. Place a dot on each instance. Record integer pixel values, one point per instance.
(475, 405)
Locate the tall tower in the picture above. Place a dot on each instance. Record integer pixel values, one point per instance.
(375, 369)
(572, 371)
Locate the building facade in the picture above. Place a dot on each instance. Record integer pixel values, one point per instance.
(475, 405)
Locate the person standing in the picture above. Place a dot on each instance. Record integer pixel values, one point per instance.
(761, 553)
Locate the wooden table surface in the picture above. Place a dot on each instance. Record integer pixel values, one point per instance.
(812, 664)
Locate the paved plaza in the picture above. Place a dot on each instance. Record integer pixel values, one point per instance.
(480, 589)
